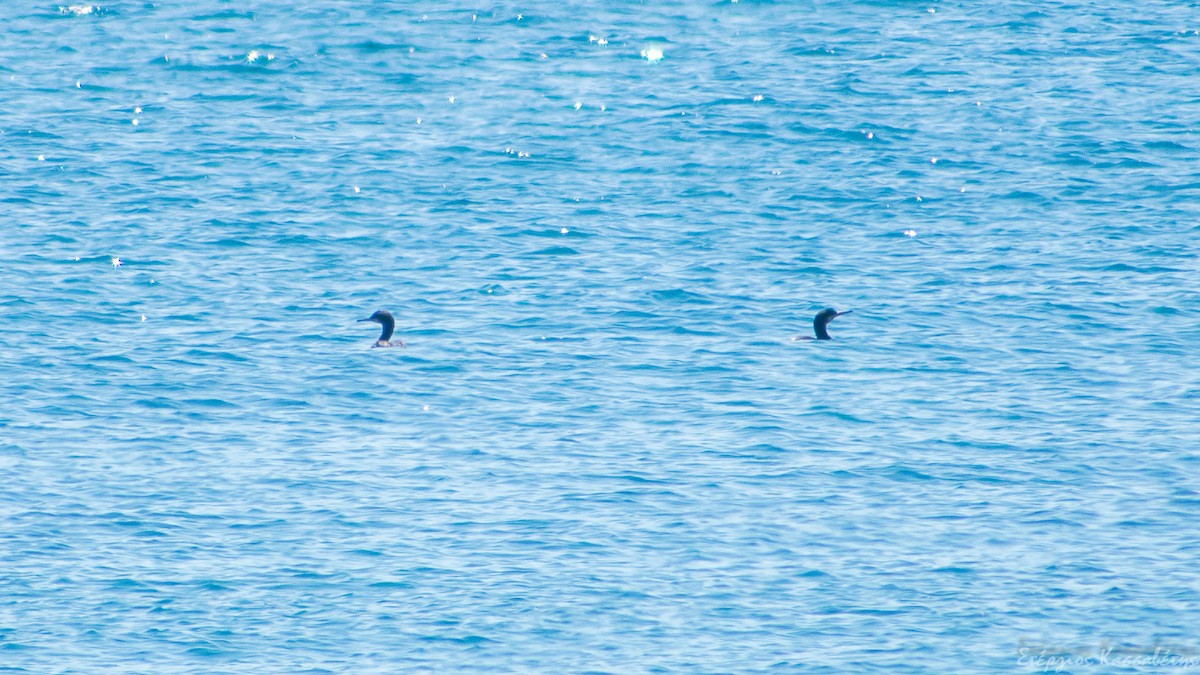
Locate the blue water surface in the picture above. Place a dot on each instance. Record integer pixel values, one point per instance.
(599, 225)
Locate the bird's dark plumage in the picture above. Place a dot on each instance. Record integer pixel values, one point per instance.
(821, 323)
(384, 318)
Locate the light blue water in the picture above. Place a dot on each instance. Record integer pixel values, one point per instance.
(600, 452)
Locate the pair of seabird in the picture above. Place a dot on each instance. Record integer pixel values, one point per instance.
(384, 318)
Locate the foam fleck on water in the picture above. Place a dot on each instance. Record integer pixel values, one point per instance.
(652, 54)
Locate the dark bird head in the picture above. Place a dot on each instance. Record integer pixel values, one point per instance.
(821, 321)
(383, 318)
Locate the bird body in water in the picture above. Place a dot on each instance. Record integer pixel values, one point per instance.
(384, 318)
(821, 323)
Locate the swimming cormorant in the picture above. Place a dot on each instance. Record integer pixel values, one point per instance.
(384, 318)
(821, 321)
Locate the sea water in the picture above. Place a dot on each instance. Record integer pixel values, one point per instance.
(599, 225)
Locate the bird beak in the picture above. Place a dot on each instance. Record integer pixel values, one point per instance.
(842, 313)
(362, 320)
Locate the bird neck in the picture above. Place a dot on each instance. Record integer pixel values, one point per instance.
(388, 326)
(822, 333)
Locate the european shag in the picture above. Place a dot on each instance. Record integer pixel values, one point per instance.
(384, 318)
(821, 322)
